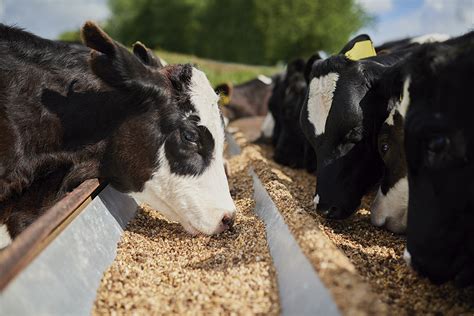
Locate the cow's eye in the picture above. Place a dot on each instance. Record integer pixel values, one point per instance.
(384, 147)
(190, 136)
(438, 143)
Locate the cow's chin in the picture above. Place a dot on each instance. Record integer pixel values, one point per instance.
(192, 222)
(390, 210)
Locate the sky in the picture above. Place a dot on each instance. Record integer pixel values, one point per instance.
(393, 18)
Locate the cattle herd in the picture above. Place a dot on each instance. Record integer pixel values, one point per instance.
(396, 118)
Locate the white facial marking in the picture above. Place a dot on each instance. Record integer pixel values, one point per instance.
(400, 106)
(430, 38)
(198, 202)
(407, 257)
(393, 104)
(321, 93)
(406, 97)
(5, 238)
(268, 125)
(391, 209)
(389, 119)
(316, 201)
(266, 80)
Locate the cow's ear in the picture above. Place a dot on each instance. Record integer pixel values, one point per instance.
(94, 37)
(112, 62)
(309, 66)
(146, 55)
(359, 47)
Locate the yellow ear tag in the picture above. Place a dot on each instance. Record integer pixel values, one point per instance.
(224, 100)
(361, 50)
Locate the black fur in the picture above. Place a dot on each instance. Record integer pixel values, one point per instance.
(70, 113)
(439, 143)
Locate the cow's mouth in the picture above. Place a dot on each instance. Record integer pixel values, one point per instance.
(190, 229)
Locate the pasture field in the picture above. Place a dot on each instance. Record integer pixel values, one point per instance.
(219, 72)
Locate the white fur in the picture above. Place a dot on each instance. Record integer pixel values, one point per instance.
(405, 98)
(266, 80)
(198, 202)
(407, 257)
(391, 209)
(5, 238)
(400, 107)
(316, 201)
(321, 93)
(394, 104)
(430, 38)
(268, 125)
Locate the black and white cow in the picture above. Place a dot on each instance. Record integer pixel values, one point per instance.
(390, 206)
(439, 144)
(70, 113)
(341, 117)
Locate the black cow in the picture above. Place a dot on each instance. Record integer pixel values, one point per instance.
(391, 46)
(292, 148)
(439, 144)
(70, 113)
(341, 117)
(282, 122)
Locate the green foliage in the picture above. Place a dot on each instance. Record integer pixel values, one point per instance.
(219, 72)
(70, 36)
(250, 31)
(158, 23)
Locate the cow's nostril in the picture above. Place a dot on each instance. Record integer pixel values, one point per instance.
(228, 221)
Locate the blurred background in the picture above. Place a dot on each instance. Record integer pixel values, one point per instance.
(257, 32)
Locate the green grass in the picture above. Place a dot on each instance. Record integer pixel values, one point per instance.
(219, 72)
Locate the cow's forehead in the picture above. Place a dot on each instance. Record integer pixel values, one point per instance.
(204, 100)
(320, 100)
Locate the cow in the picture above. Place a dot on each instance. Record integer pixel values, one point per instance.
(71, 113)
(341, 117)
(439, 146)
(389, 207)
(409, 42)
(246, 99)
(271, 126)
(291, 146)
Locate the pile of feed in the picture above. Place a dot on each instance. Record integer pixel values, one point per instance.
(160, 269)
(370, 276)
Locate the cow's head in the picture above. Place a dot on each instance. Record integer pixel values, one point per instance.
(168, 149)
(341, 119)
(289, 148)
(439, 144)
(272, 123)
(390, 206)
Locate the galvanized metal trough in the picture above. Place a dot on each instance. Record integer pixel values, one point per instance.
(55, 266)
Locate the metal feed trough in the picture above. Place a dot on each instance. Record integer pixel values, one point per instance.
(55, 266)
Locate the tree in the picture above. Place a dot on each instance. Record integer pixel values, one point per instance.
(70, 36)
(168, 24)
(250, 31)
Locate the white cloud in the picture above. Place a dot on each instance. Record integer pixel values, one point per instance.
(452, 17)
(49, 18)
(376, 6)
